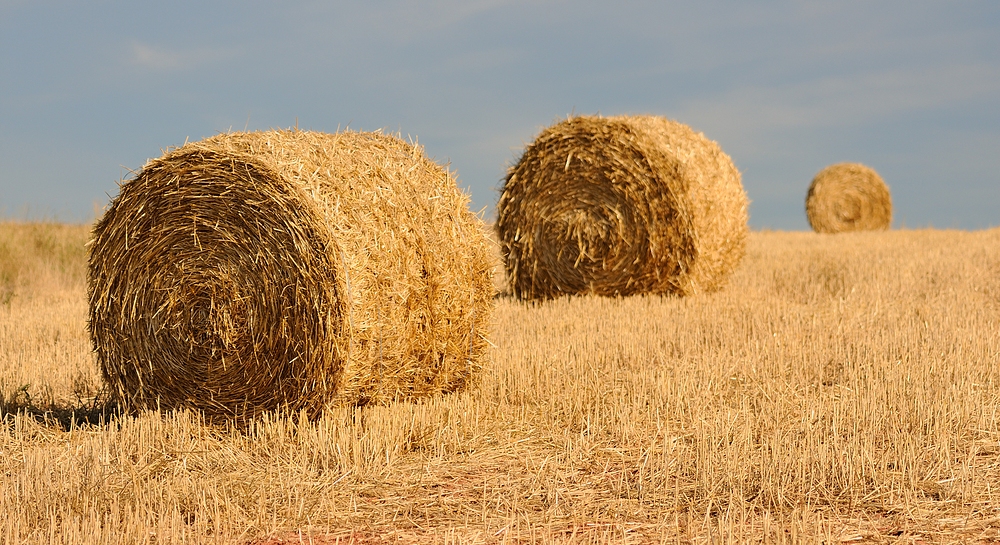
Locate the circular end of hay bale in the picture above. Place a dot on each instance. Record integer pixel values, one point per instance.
(619, 206)
(848, 197)
(288, 270)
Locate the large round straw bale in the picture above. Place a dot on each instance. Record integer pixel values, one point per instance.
(619, 206)
(848, 197)
(288, 270)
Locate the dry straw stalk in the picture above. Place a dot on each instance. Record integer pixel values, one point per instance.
(848, 197)
(288, 269)
(620, 206)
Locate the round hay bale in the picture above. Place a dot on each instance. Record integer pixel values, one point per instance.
(848, 197)
(288, 270)
(619, 206)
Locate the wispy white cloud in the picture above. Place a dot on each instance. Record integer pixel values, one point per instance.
(782, 85)
(843, 101)
(165, 59)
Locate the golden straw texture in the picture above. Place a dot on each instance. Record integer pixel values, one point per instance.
(288, 270)
(848, 197)
(619, 206)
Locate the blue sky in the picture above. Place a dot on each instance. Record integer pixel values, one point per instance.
(89, 90)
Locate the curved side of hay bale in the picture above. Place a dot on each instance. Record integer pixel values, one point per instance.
(848, 197)
(288, 269)
(619, 206)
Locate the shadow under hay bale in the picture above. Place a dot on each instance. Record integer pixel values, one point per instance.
(848, 197)
(288, 270)
(620, 206)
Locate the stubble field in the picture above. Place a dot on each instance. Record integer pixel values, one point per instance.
(840, 389)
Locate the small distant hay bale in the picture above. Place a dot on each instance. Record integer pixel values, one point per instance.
(618, 206)
(288, 270)
(848, 197)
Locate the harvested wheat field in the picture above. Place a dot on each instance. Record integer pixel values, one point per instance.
(838, 390)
